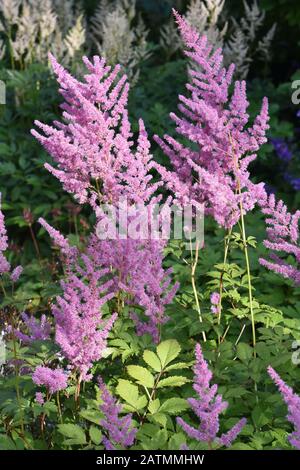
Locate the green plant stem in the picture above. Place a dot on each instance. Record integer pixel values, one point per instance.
(152, 395)
(248, 276)
(17, 378)
(244, 238)
(76, 228)
(193, 271)
(3, 288)
(59, 408)
(35, 243)
(77, 391)
(226, 250)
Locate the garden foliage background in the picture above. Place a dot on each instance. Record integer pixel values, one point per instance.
(133, 367)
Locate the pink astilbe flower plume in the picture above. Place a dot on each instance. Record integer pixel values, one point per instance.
(4, 264)
(95, 141)
(214, 169)
(80, 330)
(293, 403)
(119, 430)
(139, 273)
(69, 252)
(282, 238)
(208, 406)
(53, 379)
(38, 330)
(97, 161)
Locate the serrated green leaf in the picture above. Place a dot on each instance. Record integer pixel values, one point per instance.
(154, 405)
(167, 351)
(178, 365)
(152, 360)
(128, 391)
(73, 432)
(95, 434)
(159, 418)
(142, 375)
(244, 352)
(174, 406)
(173, 381)
(94, 416)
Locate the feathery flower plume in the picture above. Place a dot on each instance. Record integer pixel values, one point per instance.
(293, 403)
(208, 407)
(96, 162)
(139, 273)
(116, 38)
(119, 431)
(80, 330)
(38, 330)
(93, 149)
(4, 264)
(16, 273)
(69, 252)
(39, 398)
(282, 238)
(215, 171)
(215, 300)
(53, 379)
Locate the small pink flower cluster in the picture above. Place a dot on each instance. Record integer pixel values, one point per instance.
(293, 403)
(38, 330)
(283, 238)
(4, 264)
(208, 407)
(119, 430)
(53, 379)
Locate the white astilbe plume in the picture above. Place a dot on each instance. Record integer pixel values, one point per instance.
(209, 19)
(237, 49)
(67, 12)
(31, 29)
(243, 45)
(204, 16)
(264, 45)
(75, 38)
(120, 35)
(169, 38)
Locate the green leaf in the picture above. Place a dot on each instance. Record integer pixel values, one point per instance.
(128, 391)
(94, 416)
(154, 406)
(6, 443)
(73, 432)
(244, 352)
(167, 351)
(179, 365)
(130, 394)
(174, 381)
(95, 435)
(174, 406)
(152, 360)
(142, 375)
(176, 441)
(159, 418)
